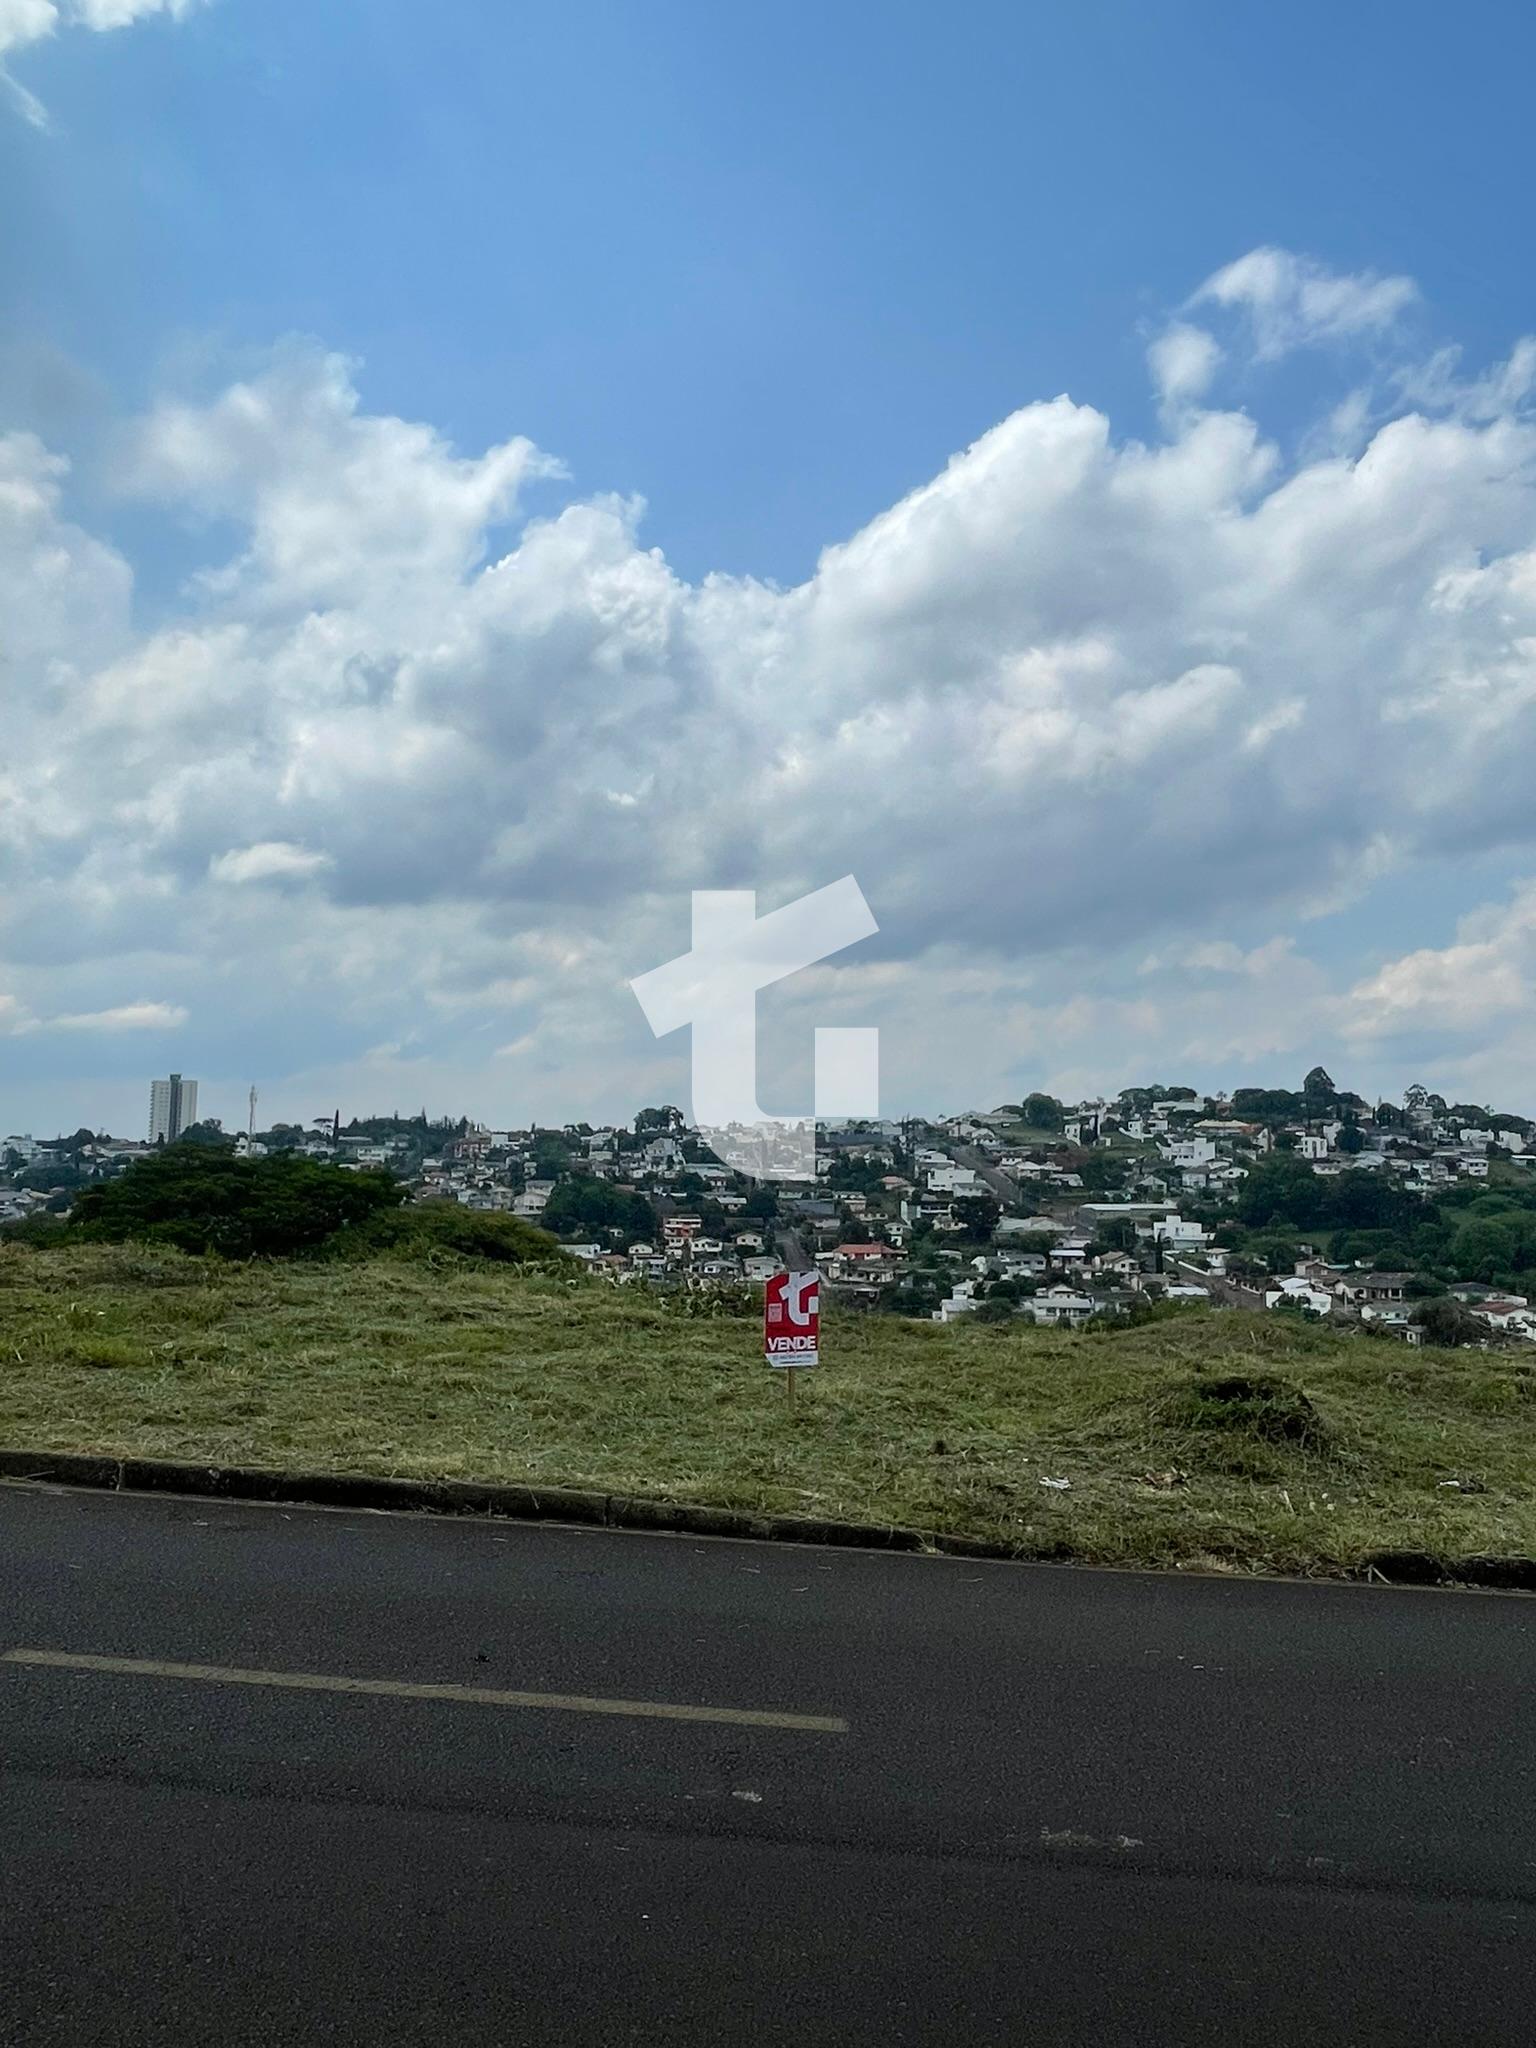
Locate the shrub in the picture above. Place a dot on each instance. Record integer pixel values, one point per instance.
(444, 1230)
(204, 1200)
(1261, 1406)
(36, 1230)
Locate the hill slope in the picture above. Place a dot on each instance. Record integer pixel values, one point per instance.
(1252, 1442)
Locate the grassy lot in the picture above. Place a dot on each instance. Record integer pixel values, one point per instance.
(1337, 1446)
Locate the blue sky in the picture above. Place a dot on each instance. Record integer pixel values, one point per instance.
(768, 268)
(767, 271)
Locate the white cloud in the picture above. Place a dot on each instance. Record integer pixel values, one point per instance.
(1292, 302)
(1489, 972)
(26, 21)
(110, 14)
(274, 860)
(141, 1016)
(1183, 361)
(1074, 699)
(1439, 384)
(341, 507)
(31, 21)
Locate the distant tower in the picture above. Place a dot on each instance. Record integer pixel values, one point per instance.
(172, 1109)
(250, 1129)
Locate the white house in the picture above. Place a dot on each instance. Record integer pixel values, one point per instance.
(1175, 1234)
(1296, 1287)
(961, 1302)
(1060, 1305)
(1187, 1152)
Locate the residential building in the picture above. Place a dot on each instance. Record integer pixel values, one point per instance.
(172, 1109)
(1060, 1305)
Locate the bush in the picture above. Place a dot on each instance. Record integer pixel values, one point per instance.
(204, 1200)
(997, 1308)
(1261, 1406)
(1447, 1323)
(438, 1230)
(36, 1230)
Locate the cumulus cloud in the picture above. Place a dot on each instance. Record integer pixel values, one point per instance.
(1290, 301)
(1488, 973)
(1075, 699)
(25, 21)
(1183, 360)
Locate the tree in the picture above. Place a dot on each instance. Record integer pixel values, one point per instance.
(1275, 1249)
(995, 1309)
(978, 1216)
(1350, 1140)
(206, 1200)
(209, 1132)
(1118, 1234)
(428, 1230)
(1267, 1105)
(1447, 1322)
(663, 1122)
(1496, 1250)
(582, 1202)
(1101, 1172)
(1468, 1114)
(1043, 1113)
(42, 1180)
(1281, 1189)
(1318, 1095)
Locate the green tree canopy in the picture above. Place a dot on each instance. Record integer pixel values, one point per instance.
(1496, 1250)
(1447, 1322)
(1266, 1105)
(585, 1203)
(1043, 1112)
(977, 1215)
(206, 1200)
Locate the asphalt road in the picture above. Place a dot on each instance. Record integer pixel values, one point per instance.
(1003, 1185)
(988, 1803)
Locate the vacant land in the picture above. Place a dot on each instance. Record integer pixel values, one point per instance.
(1251, 1442)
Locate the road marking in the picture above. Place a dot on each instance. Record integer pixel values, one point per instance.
(400, 1689)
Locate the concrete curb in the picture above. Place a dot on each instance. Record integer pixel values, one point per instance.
(455, 1497)
(626, 1511)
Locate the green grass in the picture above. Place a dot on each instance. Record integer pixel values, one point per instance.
(1323, 1449)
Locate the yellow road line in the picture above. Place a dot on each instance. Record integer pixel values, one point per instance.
(399, 1689)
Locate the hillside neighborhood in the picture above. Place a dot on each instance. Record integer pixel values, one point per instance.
(1417, 1220)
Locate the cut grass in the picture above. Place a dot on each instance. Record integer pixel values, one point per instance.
(1244, 1442)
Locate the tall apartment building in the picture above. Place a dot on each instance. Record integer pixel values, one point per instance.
(172, 1108)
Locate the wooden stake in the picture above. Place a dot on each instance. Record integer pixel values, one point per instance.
(789, 1381)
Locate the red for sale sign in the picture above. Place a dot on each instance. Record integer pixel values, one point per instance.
(792, 1319)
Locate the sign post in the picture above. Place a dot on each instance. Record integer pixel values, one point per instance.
(792, 1326)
